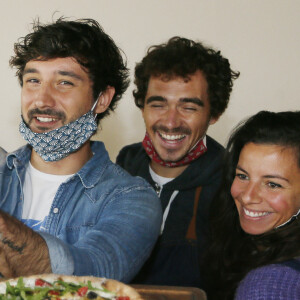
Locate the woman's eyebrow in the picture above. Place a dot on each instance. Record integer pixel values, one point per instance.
(241, 169)
(271, 176)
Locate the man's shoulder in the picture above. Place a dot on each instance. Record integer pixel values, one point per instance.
(3, 152)
(112, 173)
(115, 182)
(130, 151)
(118, 174)
(3, 155)
(214, 146)
(133, 158)
(21, 153)
(212, 158)
(100, 170)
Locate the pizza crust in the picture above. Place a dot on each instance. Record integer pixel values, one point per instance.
(115, 286)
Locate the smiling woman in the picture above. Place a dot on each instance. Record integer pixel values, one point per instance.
(266, 188)
(255, 245)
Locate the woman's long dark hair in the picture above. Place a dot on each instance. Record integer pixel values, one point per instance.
(233, 253)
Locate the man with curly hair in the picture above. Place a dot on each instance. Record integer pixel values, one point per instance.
(65, 207)
(182, 87)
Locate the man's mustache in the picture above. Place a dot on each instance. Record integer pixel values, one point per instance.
(49, 112)
(176, 130)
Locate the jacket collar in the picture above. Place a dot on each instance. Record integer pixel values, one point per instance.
(89, 174)
(21, 156)
(93, 170)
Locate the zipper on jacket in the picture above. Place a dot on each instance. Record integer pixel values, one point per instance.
(157, 188)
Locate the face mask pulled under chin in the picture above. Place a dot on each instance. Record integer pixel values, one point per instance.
(56, 144)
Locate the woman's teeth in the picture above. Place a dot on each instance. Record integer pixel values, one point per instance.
(255, 214)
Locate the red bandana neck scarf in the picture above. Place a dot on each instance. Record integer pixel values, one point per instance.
(197, 151)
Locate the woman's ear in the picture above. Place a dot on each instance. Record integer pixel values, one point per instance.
(104, 100)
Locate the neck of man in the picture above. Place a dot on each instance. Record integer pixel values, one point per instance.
(167, 171)
(71, 164)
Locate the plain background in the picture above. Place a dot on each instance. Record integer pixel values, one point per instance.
(261, 38)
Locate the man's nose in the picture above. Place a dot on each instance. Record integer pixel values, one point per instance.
(45, 97)
(251, 193)
(172, 118)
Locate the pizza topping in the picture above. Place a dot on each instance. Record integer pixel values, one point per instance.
(41, 282)
(57, 293)
(92, 295)
(82, 291)
(59, 289)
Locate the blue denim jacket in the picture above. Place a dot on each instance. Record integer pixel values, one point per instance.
(102, 222)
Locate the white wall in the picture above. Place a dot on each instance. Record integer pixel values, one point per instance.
(260, 38)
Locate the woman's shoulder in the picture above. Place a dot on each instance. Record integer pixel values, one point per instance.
(274, 281)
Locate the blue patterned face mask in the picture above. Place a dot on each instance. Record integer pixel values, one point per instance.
(58, 143)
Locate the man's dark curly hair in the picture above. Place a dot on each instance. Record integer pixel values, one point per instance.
(181, 57)
(83, 39)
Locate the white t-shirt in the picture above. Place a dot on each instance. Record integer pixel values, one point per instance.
(160, 180)
(39, 191)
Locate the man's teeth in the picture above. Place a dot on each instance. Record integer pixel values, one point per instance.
(255, 214)
(44, 119)
(172, 137)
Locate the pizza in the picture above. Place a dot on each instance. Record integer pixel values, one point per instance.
(60, 287)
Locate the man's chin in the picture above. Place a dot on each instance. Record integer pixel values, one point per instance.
(171, 158)
(40, 130)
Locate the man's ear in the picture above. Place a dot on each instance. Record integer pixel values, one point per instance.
(104, 100)
(213, 120)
